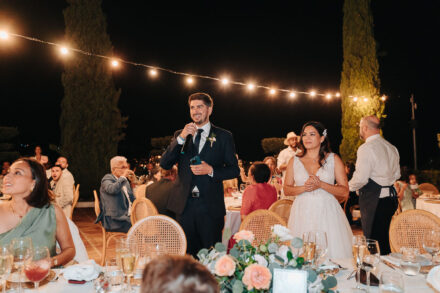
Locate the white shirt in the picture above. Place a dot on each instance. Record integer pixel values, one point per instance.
(285, 156)
(376, 159)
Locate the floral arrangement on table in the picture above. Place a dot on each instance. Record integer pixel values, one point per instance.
(248, 268)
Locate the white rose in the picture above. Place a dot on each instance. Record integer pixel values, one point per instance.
(282, 252)
(282, 232)
(260, 260)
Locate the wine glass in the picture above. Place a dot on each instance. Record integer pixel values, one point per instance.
(431, 242)
(114, 275)
(359, 246)
(37, 267)
(371, 258)
(22, 251)
(320, 246)
(127, 260)
(6, 260)
(309, 246)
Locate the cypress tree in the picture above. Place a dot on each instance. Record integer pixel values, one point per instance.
(360, 74)
(91, 123)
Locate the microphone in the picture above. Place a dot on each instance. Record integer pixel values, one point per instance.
(186, 143)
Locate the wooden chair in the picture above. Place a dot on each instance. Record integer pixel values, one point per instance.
(282, 208)
(408, 228)
(75, 199)
(428, 188)
(260, 222)
(142, 208)
(106, 235)
(140, 191)
(159, 233)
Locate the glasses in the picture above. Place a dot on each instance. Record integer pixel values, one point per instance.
(123, 167)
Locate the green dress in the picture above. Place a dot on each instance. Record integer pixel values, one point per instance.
(39, 224)
(407, 202)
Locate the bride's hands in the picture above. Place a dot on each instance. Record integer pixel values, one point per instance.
(312, 183)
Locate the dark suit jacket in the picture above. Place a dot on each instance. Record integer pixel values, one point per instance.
(220, 155)
(114, 204)
(158, 193)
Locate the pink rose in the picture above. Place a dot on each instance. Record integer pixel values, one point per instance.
(257, 276)
(244, 235)
(225, 266)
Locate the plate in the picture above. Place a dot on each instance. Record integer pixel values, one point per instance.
(419, 258)
(13, 279)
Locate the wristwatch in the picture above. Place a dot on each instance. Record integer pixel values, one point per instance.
(55, 261)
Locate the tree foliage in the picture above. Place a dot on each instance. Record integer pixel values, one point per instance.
(360, 74)
(91, 123)
(159, 144)
(272, 145)
(8, 146)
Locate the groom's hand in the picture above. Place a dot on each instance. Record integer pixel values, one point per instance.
(202, 169)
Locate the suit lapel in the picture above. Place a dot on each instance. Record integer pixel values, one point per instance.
(207, 144)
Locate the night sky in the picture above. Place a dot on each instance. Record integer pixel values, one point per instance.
(287, 46)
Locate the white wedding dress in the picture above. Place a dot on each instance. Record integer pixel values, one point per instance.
(319, 210)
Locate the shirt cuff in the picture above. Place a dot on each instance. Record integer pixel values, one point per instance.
(180, 140)
(212, 174)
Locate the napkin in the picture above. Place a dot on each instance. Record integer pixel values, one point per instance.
(434, 278)
(85, 271)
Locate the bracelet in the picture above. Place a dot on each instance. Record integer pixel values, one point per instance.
(55, 262)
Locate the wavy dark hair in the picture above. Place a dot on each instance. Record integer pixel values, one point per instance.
(324, 149)
(40, 196)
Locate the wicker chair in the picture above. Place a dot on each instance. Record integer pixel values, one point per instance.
(158, 232)
(428, 188)
(282, 208)
(75, 199)
(140, 191)
(407, 228)
(106, 236)
(260, 223)
(142, 208)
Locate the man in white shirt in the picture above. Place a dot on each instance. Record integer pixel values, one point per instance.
(377, 168)
(62, 161)
(285, 155)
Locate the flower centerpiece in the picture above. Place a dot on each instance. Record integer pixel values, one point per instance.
(248, 268)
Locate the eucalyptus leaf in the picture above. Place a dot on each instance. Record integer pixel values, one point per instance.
(273, 266)
(273, 247)
(220, 247)
(311, 276)
(279, 258)
(329, 282)
(297, 242)
(289, 255)
(202, 253)
(227, 233)
(237, 287)
(243, 243)
(234, 252)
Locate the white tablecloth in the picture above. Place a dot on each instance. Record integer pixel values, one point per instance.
(233, 218)
(430, 205)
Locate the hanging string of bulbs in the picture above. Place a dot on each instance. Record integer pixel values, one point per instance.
(189, 78)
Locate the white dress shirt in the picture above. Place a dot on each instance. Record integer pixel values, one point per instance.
(376, 159)
(285, 156)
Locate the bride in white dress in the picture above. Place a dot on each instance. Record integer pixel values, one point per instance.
(311, 178)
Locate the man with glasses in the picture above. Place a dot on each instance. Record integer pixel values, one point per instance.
(116, 197)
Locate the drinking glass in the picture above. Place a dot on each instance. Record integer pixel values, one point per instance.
(22, 251)
(6, 260)
(409, 264)
(127, 260)
(320, 247)
(309, 246)
(371, 258)
(391, 282)
(359, 246)
(431, 242)
(114, 275)
(37, 267)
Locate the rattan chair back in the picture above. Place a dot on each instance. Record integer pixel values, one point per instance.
(260, 222)
(75, 199)
(97, 208)
(140, 191)
(408, 228)
(142, 208)
(282, 208)
(158, 234)
(428, 188)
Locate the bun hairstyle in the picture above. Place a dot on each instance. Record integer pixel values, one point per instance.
(324, 149)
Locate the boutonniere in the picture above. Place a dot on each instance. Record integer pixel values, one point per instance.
(212, 138)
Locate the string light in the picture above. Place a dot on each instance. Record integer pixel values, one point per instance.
(355, 99)
(383, 98)
(328, 96)
(365, 100)
(153, 70)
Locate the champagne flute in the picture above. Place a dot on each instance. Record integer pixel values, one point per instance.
(321, 246)
(431, 243)
(6, 260)
(22, 251)
(127, 260)
(37, 267)
(309, 240)
(359, 246)
(371, 258)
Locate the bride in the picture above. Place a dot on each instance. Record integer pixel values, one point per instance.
(311, 178)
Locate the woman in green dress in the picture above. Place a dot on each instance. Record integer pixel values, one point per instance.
(407, 191)
(31, 212)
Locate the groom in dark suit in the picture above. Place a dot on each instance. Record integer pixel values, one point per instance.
(199, 198)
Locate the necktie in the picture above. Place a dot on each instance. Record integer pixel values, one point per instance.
(197, 139)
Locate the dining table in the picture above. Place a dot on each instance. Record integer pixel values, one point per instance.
(430, 204)
(233, 217)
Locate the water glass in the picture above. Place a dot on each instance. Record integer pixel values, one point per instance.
(431, 242)
(391, 282)
(409, 264)
(6, 260)
(37, 267)
(22, 251)
(371, 258)
(114, 275)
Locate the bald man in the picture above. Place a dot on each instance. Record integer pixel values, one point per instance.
(377, 168)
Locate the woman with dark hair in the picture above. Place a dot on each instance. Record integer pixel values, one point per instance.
(407, 190)
(311, 177)
(39, 157)
(259, 195)
(31, 213)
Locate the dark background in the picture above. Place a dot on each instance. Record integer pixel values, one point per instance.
(296, 45)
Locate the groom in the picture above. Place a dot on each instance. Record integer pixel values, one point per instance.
(206, 156)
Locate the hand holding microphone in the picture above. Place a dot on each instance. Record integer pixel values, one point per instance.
(187, 133)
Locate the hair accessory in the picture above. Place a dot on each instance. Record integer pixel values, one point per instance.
(324, 133)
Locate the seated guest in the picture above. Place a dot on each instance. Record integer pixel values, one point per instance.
(42, 159)
(407, 190)
(30, 213)
(259, 195)
(160, 191)
(116, 197)
(62, 161)
(275, 176)
(5, 168)
(229, 186)
(177, 274)
(62, 189)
